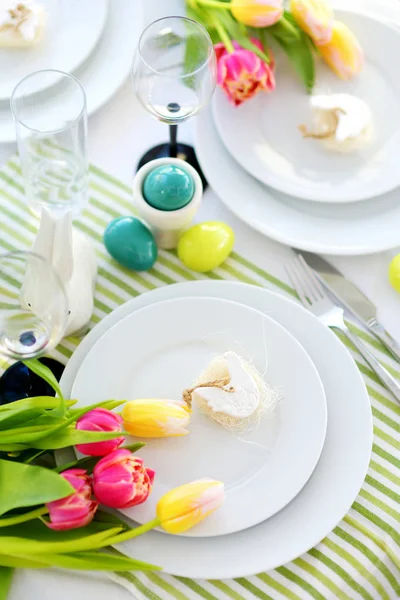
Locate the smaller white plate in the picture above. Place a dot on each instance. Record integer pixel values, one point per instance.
(159, 351)
(263, 137)
(72, 31)
(109, 62)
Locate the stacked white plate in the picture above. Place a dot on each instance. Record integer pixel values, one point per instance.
(293, 189)
(279, 476)
(94, 40)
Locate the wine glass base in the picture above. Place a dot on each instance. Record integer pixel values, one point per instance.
(184, 152)
(19, 382)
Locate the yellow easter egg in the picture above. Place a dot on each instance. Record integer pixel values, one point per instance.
(394, 273)
(205, 246)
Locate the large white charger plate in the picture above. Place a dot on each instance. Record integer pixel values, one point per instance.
(337, 478)
(160, 350)
(262, 134)
(72, 30)
(108, 66)
(346, 229)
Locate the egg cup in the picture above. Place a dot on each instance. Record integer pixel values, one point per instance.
(167, 226)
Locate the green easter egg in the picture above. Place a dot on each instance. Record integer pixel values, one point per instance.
(394, 273)
(205, 246)
(168, 187)
(131, 243)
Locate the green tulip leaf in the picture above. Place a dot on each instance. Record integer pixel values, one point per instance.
(72, 437)
(300, 52)
(93, 561)
(6, 574)
(47, 402)
(89, 462)
(22, 546)
(15, 562)
(26, 485)
(11, 418)
(45, 373)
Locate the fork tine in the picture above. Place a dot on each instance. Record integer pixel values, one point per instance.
(297, 284)
(312, 278)
(303, 280)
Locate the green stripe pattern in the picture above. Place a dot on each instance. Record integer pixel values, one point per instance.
(360, 559)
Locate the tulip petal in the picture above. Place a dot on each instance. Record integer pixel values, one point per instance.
(343, 54)
(257, 13)
(315, 17)
(100, 419)
(153, 418)
(121, 481)
(184, 507)
(242, 74)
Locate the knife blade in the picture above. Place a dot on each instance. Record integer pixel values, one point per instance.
(352, 298)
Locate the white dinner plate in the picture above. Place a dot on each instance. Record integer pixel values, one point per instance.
(161, 350)
(262, 134)
(346, 229)
(72, 31)
(107, 67)
(343, 463)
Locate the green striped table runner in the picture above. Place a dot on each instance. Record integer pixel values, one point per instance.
(361, 557)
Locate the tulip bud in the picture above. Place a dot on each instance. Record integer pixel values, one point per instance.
(184, 507)
(343, 54)
(242, 74)
(121, 481)
(315, 17)
(257, 13)
(100, 419)
(76, 510)
(152, 418)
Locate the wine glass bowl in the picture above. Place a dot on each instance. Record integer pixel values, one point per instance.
(33, 306)
(175, 69)
(174, 76)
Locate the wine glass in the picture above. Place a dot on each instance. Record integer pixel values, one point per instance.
(33, 318)
(174, 77)
(51, 127)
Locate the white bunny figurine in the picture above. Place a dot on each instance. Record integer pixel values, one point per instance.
(74, 259)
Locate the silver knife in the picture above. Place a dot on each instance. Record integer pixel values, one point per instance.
(352, 298)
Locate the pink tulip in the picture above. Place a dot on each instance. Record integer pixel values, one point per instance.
(100, 419)
(76, 510)
(242, 74)
(121, 481)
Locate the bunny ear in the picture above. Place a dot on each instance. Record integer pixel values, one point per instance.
(62, 247)
(43, 244)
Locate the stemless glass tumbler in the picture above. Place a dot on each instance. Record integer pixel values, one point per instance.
(51, 131)
(33, 305)
(174, 77)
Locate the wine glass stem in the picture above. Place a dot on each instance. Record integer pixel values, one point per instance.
(173, 147)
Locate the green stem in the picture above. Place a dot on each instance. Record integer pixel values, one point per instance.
(33, 514)
(225, 39)
(215, 4)
(132, 533)
(289, 28)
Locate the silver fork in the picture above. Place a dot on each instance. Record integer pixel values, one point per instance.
(314, 297)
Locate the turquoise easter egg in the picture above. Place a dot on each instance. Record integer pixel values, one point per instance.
(131, 243)
(205, 246)
(168, 187)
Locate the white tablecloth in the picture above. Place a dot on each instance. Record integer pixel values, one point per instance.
(118, 135)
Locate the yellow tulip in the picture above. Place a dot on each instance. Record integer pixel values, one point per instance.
(343, 54)
(152, 418)
(184, 507)
(315, 17)
(257, 13)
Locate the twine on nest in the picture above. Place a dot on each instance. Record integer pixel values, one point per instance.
(217, 383)
(326, 134)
